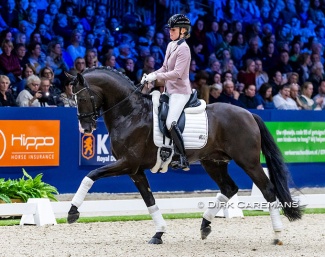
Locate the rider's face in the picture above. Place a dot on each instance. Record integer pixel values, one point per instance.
(174, 33)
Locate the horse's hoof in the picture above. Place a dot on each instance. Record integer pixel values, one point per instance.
(205, 232)
(73, 214)
(277, 242)
(155, 241)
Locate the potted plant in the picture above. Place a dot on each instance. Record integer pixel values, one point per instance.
(25, 188)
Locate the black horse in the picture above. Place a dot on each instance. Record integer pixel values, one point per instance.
(234, 134)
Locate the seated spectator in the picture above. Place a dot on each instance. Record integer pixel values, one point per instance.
(229, 95)
(67, 96)
(270, 58)
(283, 101)
(294, 94)
(254, 52)
(79, 66)
(56, 87)
(88, 18)
(20, 38)
(61, 27)
(35, 57)
(214, 66)
(248, 77)
(214, 38)
(228, 65)
(193, 70)
(249, 99)
(91, 58)
(215, 79)
(9, 14)
(55, 61)
(124, 53)
(76, 49)
(200, 85)
(10, 66)
(65, 55)
(129, 70)
(265, 96)
(305, 98)
(238, 49)
(20, 51)
(148, 67)
(284, 66)
(321, 94)
(46, 37)
(261, 75)
(215, 91)
(30, 96)
(28, 70)
(316, 76)
(225, 45)
(6, 97)
(48, 99)
(277, 82)
(196, 49)
(303, 67)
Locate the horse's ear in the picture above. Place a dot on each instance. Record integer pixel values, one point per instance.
(80, 79)
(69, 76)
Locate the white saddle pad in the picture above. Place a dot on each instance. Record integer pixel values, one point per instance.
(195, 133)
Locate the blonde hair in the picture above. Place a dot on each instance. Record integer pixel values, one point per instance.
(33, 78)
(4, 78)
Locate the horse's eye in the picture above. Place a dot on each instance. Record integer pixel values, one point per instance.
(82, 99)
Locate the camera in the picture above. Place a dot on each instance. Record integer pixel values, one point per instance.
(45, 96)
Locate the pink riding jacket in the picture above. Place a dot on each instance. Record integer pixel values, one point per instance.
(175, 69)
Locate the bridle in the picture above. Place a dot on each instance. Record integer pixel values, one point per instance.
(95, 114)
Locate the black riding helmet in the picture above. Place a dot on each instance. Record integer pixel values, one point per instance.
(180, 21)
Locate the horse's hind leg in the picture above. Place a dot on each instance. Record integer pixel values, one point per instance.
(218, 171)
(141, 182)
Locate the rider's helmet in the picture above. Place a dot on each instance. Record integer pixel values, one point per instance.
(179, 21)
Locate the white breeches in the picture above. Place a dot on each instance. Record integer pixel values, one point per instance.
(176, 106)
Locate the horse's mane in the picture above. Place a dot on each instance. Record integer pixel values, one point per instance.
(108, 70)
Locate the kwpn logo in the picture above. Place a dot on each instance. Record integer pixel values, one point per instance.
(88, 146)
(3, 144)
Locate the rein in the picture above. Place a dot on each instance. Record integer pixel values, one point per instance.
(95, 113)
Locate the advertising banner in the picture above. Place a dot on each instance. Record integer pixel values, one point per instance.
(299, 141)
(29, 143)
(95, 148)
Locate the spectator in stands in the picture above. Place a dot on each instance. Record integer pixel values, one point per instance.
(55, 60)
(65, 55)
(20, 51)
(294, 94)
(305, 98)
(48, 99)
(61, 27)
(56, 86)
(48, 22)
(283, 101)
(294, 53)
(35, 56)
(130, 70)
(253, 52)
(9, 14)
(53, 11)
(91, 58)
(154, 51)
(265, 96)
(200, 84)
(277, 81)
(261, 76)
(88, 18)
(215, 79)
(76, 49)
(124, 53)
(248, 76)
(28, 70)
(270, 58)
(79, 66)
(67, 96)
(225, 45)
(73, 20)
(213, 37)
(238, 49)
(6, 35)
(197, 55)
(249, 99)
(91, 41)
(321, 94)
(9, 64)
(20, 38)
(228, 65)
(30, 96)
(214, 66)
(148, 67)
(229, 95)
(284, 64)
(232, 11)
(303, 13)
(199, 34)
(111, 61)
(159, 42)
(193, 70)
(316, 76)
(6, 97)
(45, 35)
(215, 91)
(303, 67)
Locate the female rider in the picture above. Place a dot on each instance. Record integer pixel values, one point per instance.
(175, 73)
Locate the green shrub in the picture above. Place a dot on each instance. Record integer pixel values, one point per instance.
(26, 187)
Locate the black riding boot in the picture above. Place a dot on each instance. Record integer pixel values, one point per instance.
(179, 143)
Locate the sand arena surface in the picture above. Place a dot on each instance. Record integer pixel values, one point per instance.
(249, 236)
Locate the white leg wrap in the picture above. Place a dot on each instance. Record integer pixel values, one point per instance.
(275, 217)
(83, 189)
(157, 218)
(210, 213)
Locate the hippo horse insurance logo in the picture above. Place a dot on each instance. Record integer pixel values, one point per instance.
(3, 144)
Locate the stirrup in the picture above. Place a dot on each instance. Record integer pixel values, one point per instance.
(182, 163)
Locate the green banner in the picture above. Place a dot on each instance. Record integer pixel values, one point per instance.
(299, 141)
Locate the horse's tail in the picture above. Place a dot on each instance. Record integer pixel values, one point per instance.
(278, 171)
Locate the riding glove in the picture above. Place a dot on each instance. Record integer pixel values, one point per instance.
(151, 77)
(144, 78)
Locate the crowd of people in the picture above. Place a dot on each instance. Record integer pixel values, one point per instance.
(255, 54)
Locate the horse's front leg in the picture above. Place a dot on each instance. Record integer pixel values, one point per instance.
(141, 182)
(119, 167)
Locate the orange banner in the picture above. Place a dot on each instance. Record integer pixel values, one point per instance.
(29, 143)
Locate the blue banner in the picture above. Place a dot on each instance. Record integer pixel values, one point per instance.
(95, 149)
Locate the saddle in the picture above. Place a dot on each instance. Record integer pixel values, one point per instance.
(163, 112)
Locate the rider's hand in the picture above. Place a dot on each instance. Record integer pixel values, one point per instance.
(151, 77)
(144, 78)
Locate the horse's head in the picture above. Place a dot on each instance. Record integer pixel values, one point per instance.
(88, 103)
